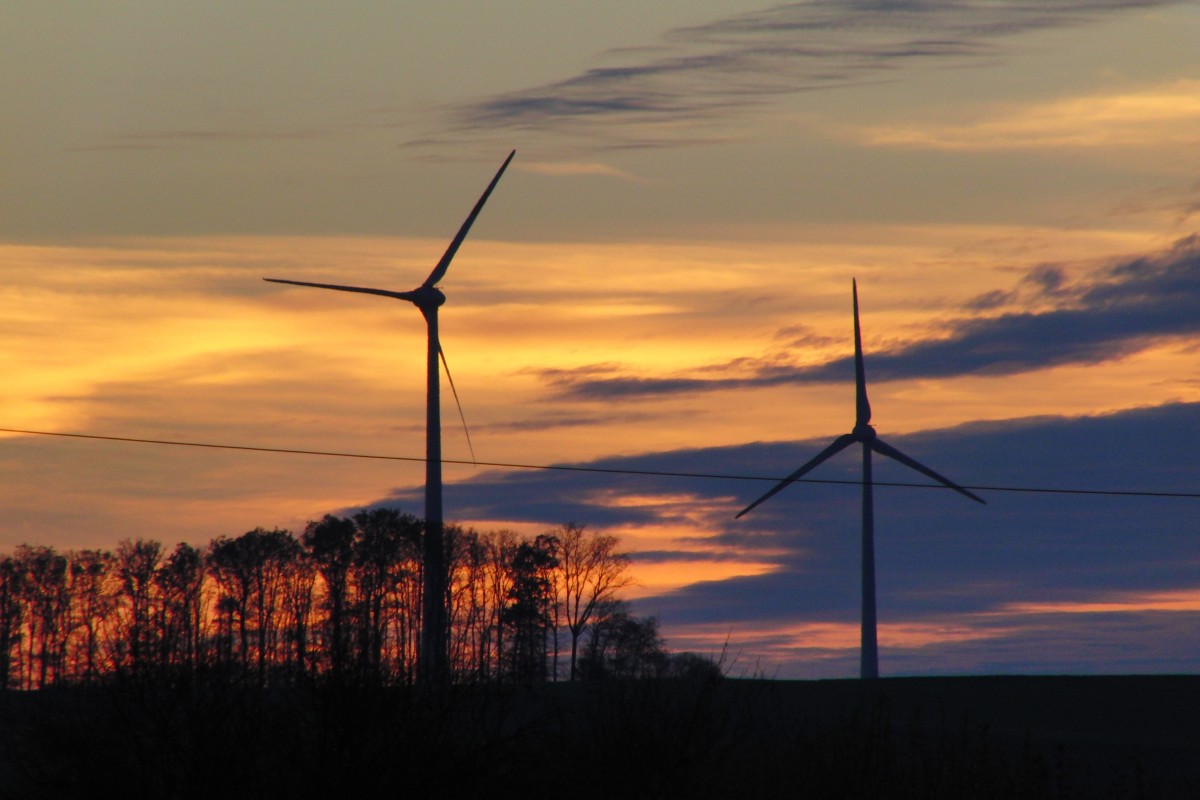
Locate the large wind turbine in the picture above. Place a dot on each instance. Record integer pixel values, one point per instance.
(432, 662)
(864, 434)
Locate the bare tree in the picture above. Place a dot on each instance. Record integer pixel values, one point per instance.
(298, 599)
(234, 572)
(269, 553)
(254, 600)
(500, 548)
(94, 602)
(12, 617)
(330, 544)
(181, 583)
(591, 572)
(48, 599)
(386, 544)
(469, 615)
(226, 610)
(136, 564)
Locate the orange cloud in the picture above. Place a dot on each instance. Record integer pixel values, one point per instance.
(1134, 602)
(1158, 116)
(781, 642)
(560, 169)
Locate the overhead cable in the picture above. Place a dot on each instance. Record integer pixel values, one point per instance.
(599, 470)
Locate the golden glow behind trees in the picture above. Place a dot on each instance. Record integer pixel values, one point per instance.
(343, 600)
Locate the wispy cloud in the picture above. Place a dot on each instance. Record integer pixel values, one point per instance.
(551, 420)
(655, 96)
(1123, 309)
(560, 169)
(1153, 117)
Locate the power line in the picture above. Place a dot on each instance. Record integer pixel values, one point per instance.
(600, 470)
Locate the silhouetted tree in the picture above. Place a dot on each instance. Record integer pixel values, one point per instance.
(499, 548)
(231, 566)
(94, 603)
(403, 609)
(181, 585)
(348, 595)
(694, 667)
(527, 615)
(49, 607)
(591, 572)
(468, 606)
(624, 646)
(386, 549)
(226, 611)
(298, 598)
(12, 616)
(252, 569)
(330, 544)
(136, 564)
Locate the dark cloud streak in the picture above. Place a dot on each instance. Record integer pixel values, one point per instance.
(1130, 305)
(700, 74)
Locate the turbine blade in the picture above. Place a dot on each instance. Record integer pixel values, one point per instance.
(454, 391)
(337, 288)
(839, 444)
(440, 270)
(881, 447)
(862, 407)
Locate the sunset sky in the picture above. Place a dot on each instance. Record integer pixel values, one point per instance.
(661, 281)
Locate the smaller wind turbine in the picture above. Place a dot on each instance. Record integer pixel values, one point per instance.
(864, 434)
(432, 662)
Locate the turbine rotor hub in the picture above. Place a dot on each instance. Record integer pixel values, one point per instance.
(864, 432)
(427, 297)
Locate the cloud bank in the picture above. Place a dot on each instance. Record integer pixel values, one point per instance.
(1120, 310)
(1153, 117)
(961, 586)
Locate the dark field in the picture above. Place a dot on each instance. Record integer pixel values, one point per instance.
(975, 737)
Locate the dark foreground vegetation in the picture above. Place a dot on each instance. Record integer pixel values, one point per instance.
(274, 666)
(341, 603)
(694, 735)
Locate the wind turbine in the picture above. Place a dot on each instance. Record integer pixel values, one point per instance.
(432, 661)
(865, 435)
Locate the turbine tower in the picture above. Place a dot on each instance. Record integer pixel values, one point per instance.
(432, 661)
(864, 434)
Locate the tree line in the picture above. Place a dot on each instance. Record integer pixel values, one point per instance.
(341, 601)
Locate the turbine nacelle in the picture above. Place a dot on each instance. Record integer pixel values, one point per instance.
(426, 298)
(864, 432)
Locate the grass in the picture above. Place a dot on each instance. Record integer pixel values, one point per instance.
(970, 737)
